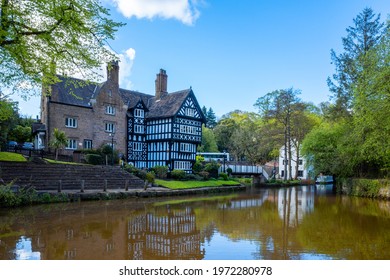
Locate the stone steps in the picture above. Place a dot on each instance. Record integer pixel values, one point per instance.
(52, 176)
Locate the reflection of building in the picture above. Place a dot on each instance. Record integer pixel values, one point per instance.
(173, 236)
(294, 203)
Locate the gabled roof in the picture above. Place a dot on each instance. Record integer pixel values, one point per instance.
(168, 105)
(131, 98)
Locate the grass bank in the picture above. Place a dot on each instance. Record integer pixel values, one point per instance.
(373, 188)
(180, 185)
(6, 156)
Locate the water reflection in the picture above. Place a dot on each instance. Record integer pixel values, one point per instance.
(286, 223)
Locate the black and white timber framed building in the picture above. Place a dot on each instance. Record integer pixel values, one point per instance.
(162, 129)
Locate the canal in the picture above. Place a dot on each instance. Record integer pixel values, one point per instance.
(305, 222)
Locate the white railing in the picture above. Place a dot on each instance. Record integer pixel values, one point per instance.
(244, 169)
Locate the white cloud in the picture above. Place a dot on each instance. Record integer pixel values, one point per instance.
(183, 10)
(126, 60)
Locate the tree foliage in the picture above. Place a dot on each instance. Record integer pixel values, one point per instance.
(357, 146)
(39, 38)
(364, 35)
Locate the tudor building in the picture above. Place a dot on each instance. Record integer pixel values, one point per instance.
(160, 129)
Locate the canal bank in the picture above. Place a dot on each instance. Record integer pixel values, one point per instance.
(372, 188)
(154, 191)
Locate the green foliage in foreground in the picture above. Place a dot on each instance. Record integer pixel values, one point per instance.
(177, 185)
(25, 196)
(6, 156)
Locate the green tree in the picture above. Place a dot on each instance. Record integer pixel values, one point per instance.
(38, 37)
(211, 118)
(59, 141)
(209, 143)
(365, 34)
(280, 105)
(224, 131)
(8, 118)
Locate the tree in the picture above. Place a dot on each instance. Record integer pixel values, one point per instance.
(303, 120)
(39, 37)
(224, 130)
(59, 140)
(363, 36)
(211, 118)
(280, 105)
(209, 143)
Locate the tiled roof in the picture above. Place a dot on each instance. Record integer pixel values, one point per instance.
(78, 92)
(168, 105)
(74, 91)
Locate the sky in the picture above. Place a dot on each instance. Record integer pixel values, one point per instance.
(230, 52)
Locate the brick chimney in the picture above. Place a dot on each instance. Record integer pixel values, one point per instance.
(113, 74)
(161, 84)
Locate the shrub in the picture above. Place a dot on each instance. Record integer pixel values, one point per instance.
(160, 171)
(212, 169)
(204, 174)
(150, 177)
(7, 197)
(229, 171)
(178, 174)
(94, 159)
(192, 177)
(198, 167)
(224, 176)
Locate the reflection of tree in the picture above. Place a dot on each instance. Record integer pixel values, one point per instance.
(356, 229)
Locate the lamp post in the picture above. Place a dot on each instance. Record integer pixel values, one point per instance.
(112, 147)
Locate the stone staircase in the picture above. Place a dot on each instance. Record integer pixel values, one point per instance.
(51, 177)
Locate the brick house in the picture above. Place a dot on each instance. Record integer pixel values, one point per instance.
(160, 129)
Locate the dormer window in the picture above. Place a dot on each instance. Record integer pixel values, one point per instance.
(110, 110)
(139, 113)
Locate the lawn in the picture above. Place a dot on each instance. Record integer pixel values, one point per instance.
(177, 185)
(6, 156)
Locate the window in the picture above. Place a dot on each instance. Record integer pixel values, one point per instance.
(110, 127)
(187, 129)
(300, 162)
(300, 173)
(110, 110)
(71, 122)
(71, 144)
(138, 129)
(87, 144)
(185, 147)
(190, 112)
(137, 146)
(139, 113)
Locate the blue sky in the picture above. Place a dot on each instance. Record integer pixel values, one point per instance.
(230, 52)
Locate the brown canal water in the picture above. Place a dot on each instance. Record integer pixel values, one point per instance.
(305, 222)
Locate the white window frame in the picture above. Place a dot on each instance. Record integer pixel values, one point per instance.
(110, 127)
(137, 146)
(139, 113)
(139, 128)
(190, 112)
(87, 144)
(185, 147)
(71, 144)
(71, 122)
(110, 110)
